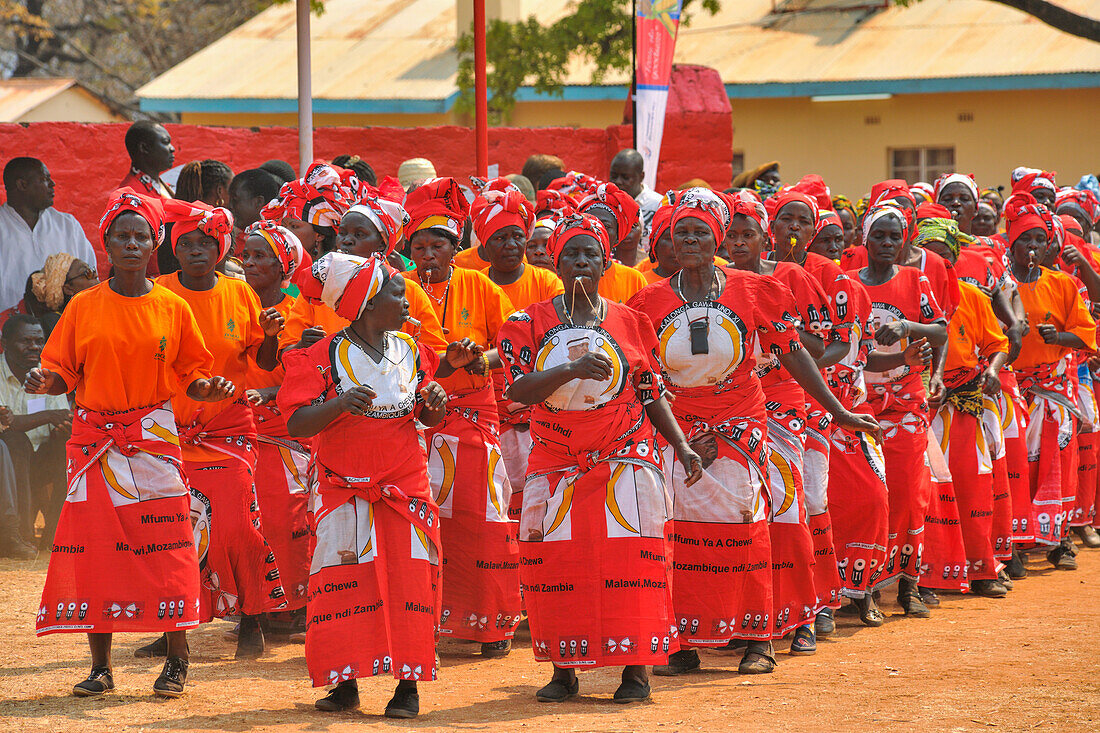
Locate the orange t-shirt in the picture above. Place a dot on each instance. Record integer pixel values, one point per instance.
(122, 353)
(470, 260)
(648, 265)
(258, 378)
(619, 282)
(1054, 299)
(304, 314)
(973, 331)
(534, 286)
(229, 317)
(475, 308)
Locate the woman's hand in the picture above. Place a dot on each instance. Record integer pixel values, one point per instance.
(464, 352)
(214, 389)
(936, 392)
(261, 396)
(1050, 334)
(991, 382)
(271, 321)
(38, 381)
(858, 423)
(592, 365)
(434, 396)
(357, 400)
(692, 463)
(310, 336)
(890, 333)
(5, 417)
(918, 353)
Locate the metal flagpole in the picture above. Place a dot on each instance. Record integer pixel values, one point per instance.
(481, 94)
(305, 90)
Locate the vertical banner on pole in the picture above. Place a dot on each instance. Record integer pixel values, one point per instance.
(656, 23)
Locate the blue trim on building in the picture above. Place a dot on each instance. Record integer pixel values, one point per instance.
(611, 92)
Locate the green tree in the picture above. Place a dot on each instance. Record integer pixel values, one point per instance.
(529, 54)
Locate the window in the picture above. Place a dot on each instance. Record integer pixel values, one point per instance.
(921, 164)
(738, 162)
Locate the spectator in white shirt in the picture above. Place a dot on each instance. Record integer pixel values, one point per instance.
(31, 229)
(40, 426)
(628, 173)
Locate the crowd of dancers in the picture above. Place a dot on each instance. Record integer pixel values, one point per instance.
(447, 410)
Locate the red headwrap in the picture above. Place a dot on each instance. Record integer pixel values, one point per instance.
(388, 217)
(925, 191)
(1023, 213)
(344, 282)
(787, 196)
(709, 207)
(149, 208)
(814, 186)
(575, 184)
(1027, 180)
(575, 225)
(1083, 198)
(621, 205)
(437, 203)
(320, 197)
(555, 201)
(932, 211)
(894, 188)
(948, 178)
(825, 219)
(287, 247)
(747, 203)
(494, 209)
(214, 222)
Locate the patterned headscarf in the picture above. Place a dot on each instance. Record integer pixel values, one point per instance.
(924, 191)
(948, 178)
(575, 184)
(187, 217)
(344, 282)
(149, 208)
(943, 229)
(555, 201)
(1023, 213)
(710, 207)
(882, 211)
(894, 188)
(438, 203)
(827, 218)
(621, 205)
(1029, 180)
(288, 248)
(575, 225)
(814, 186)
(320, 198)
(1083, 198)
(841, 202)
(746, 204)
(495, 209)
(388, 217)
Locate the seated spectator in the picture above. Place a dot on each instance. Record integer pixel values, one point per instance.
(40, 426)
(151, 153)
(50, 289)
(31, 229)
(11, 540)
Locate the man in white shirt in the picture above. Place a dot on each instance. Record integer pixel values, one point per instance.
(39, 427)
(628, 173)
(31, 229)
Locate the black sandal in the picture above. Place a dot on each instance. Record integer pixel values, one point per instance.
(99, 682)
(558, 690)
(345, 696)
(405, 703)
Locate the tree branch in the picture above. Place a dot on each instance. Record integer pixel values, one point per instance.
(1058, 17)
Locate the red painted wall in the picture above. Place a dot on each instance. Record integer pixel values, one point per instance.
(87, 161)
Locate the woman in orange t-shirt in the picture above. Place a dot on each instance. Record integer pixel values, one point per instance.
(126, 347)
(1060, 325)
(481, 600)
(238, 569)
(270, 256)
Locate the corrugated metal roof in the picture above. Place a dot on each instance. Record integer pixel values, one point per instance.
(19, 96)
(402, 52)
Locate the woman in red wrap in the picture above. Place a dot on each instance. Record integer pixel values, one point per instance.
(124, 555)
(218, 440)
(357, 394)
(594, 554)
(792, 229)
(904, 310)
(481, 600)
(311, 206)
(270, 256)
(1060, 324)
(976, 351)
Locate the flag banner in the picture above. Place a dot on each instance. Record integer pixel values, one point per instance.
(656, 25)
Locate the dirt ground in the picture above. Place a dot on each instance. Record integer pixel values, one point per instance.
(1027, 662)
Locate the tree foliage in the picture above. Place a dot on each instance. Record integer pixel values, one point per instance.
(526, 53)
(112, 47)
